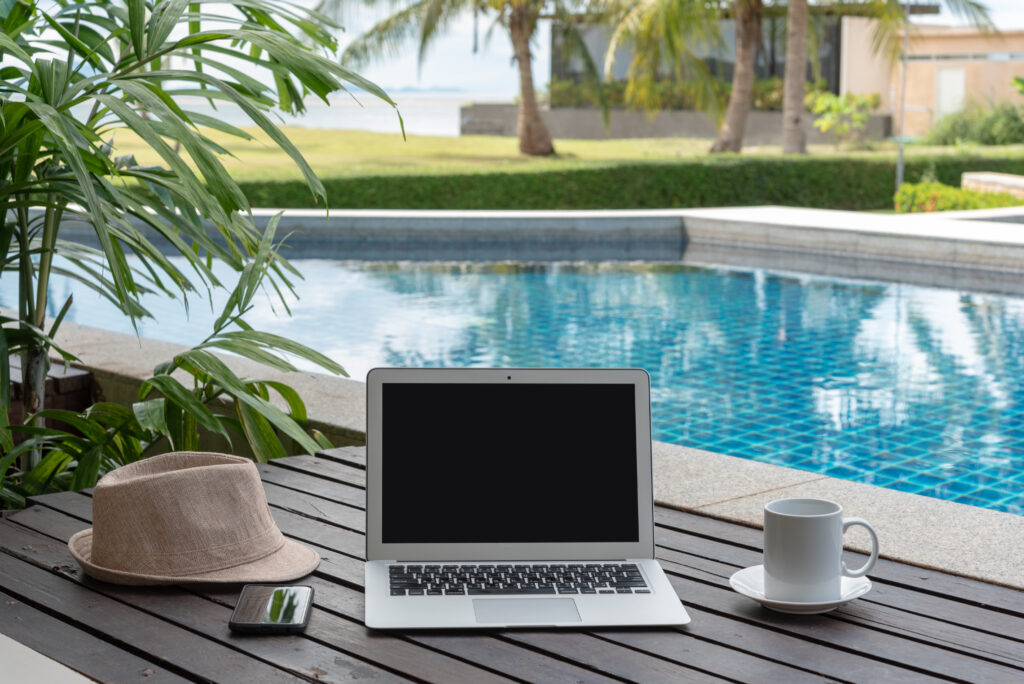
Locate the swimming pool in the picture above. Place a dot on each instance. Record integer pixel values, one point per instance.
(911, 388)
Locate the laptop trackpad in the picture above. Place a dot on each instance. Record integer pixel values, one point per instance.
(525, 610)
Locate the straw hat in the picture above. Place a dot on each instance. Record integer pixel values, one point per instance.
(186, 517)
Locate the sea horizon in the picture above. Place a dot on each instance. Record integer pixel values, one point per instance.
(424, 112)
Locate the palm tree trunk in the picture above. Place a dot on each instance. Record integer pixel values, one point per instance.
(35, 364)
(794, 138)
(534, 138)
(747, 16)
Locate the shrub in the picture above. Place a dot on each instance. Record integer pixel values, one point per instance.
(846, 115)
(672, 94)
(833, 183)
(1001, 124)
(767, 94)
(934, 196)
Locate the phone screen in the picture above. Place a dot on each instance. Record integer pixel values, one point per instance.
(270, 605)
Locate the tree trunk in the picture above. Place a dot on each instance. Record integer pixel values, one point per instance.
(534, 138)
(747, 16)
(34, 366)
(794, 138)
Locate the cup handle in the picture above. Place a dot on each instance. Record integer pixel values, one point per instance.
(866, 568)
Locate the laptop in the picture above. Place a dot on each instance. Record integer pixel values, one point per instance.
(511, 497)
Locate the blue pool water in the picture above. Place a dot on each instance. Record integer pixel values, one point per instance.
(916, 389)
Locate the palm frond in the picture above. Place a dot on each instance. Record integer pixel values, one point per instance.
(667, 37)
(423, 21)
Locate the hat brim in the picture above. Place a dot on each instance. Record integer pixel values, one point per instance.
(290, 562)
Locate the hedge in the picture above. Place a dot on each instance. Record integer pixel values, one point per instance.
(925, 197)
(825, 182)
(767, 93)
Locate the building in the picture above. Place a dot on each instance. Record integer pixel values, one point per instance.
(771, 53)
(948, 67)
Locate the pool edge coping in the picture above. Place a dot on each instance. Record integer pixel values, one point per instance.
(955, 538)
(913, 529)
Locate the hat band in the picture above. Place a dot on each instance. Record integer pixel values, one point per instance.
(194, 561)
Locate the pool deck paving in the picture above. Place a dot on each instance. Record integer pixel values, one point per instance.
(919, 530)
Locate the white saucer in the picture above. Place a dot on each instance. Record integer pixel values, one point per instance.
(750, 583)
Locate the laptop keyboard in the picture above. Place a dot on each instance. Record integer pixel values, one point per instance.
(577, 578)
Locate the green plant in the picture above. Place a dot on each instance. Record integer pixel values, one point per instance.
(935, 196)
(670, 93)
(768, 94)
(854, 181)
(1000, 124)
(666, 39)
(845, 115)
(172, 414)
(73, 75)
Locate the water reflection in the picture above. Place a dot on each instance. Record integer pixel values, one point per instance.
(907, 387)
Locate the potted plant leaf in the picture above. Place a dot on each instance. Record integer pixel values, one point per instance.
(72, 77)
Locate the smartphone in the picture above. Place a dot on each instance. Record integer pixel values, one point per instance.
(272, 609)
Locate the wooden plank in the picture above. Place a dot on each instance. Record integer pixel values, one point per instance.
(833, 662)
(722, 659)
(941, 632)
(936, 630)
(740, 664)
(317, 508)
(76, 648)
(523, 663)
(329, 536)
(55, 523)
(919, 580)
(742, 556)
(820, 658)
(77, 504)
(325, 627)
(829, 630)
(952, 619)
(352, 455)
(474, 647)
(339, 599)
(331, 490)
(883, 617)
(302, 524)
(172, 647)
(610, 658)
(325, 468)
(315, 522)
(954, 587)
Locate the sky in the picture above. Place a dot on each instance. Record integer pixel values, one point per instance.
(490, 74)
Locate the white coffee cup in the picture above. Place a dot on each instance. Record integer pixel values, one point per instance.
(803, 550)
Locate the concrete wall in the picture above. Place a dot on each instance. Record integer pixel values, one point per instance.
(119, 363)
(993, 182)
(862, 71)
(763, 128)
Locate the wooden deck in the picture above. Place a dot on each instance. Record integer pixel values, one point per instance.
(915, 625)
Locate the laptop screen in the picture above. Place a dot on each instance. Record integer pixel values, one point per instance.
(508, 463)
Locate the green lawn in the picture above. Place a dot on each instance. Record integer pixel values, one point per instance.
(383, 171)
(335, 153)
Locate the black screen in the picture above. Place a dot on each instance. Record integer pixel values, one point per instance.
(508, 463)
